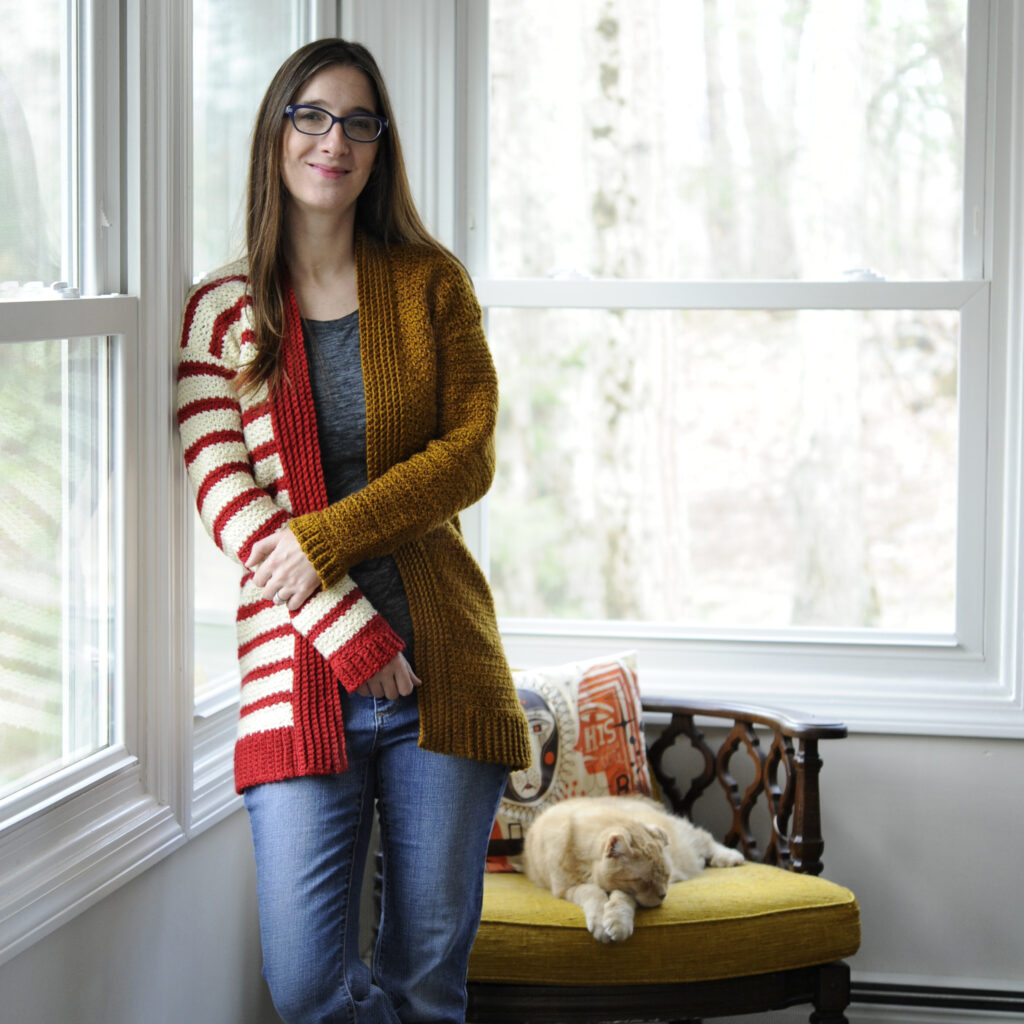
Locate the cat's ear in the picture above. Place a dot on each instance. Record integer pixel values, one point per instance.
(615, 845)
(659, 833)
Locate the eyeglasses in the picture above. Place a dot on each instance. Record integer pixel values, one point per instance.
(317, 121)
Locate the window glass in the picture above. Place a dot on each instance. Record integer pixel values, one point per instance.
(234, 56)
(35, 167)
(726, 139)
(56, 610)
(233, 59)
(722, 468)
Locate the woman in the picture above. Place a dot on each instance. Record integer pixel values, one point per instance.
(337, 405)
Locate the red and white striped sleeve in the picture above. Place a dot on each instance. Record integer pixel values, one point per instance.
(240, 483)
(222, 464)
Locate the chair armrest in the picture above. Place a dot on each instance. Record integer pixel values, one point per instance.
(794, 724)
(786, 769)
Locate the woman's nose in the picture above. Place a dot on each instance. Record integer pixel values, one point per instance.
(335, 139)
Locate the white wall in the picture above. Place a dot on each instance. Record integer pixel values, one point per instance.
(178, 944)
(929, 834)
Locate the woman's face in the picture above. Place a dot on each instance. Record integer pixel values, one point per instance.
(326, 173)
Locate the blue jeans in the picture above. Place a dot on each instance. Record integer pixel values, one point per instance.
(311, 837)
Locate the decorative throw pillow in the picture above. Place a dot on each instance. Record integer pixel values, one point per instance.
(586, 727)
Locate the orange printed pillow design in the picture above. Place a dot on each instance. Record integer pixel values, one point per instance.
(586, 729)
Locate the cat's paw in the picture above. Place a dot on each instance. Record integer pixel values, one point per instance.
(595, 923)
(724, 857)
(593, 911)
(617, 930)
(618, 917)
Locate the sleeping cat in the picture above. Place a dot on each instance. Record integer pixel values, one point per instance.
(610, 853)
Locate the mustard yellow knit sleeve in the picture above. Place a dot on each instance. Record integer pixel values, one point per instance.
(455, 467)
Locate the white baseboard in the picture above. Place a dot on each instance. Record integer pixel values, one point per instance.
(897, 999)
(918, 1000)
(864, 1014)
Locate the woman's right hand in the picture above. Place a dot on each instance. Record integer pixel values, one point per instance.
(395, 679)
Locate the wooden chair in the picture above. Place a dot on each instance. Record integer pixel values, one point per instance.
(766, 935)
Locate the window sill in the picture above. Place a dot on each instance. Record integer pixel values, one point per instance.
(942, 689)
(213, 773)
(62, 861)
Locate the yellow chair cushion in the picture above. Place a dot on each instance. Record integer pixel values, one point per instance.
(725, 923)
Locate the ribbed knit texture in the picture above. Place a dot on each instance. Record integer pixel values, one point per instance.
(431, 398)
(254, 463)
(431, 410)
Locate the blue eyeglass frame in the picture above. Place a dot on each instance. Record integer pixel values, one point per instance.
(291, 109)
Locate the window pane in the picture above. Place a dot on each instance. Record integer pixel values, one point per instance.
(216, 598)
(56, 609)
(726, 139)
(234, 56)
(34, 155)
(751, 469)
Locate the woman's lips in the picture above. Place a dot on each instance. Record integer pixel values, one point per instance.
(328, 172)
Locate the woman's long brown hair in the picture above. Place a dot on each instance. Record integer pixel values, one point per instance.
(385, 210)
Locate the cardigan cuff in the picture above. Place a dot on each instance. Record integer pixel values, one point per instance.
(316, 546)
(365, 654)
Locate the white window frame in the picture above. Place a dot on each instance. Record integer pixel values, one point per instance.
(965, 683)
(75, 836)
(72, 837)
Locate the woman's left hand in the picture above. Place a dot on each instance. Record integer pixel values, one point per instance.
(283, 570)
(396, 679)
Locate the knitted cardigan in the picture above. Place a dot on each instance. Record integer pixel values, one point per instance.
(254, 463)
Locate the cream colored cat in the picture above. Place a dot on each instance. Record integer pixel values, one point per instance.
(610, 853)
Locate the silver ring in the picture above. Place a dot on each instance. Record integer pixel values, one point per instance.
(278, 599)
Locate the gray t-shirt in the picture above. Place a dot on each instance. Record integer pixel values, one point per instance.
(339, 396)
